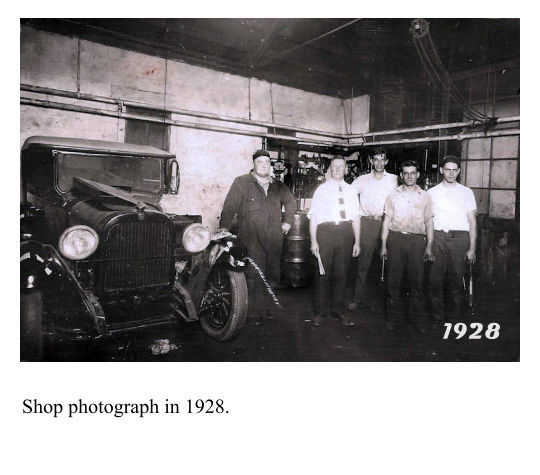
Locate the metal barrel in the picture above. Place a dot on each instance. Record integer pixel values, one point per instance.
(297, 263)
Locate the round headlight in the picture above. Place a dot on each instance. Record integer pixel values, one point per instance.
(78, 242)
(196, 238)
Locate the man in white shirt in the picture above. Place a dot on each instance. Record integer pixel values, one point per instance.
(335, 236)
(454, 242)
(373, 189)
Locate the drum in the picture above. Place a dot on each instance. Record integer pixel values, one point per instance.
(297, 262)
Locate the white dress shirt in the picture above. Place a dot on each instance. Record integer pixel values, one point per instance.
(325, 204)
(450, 204)
(374, 191)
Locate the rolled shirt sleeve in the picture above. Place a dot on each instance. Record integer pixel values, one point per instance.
(389, 207)
(428, 210)
(470, 200)
(357, 185)
(353, 205)
(315, 208)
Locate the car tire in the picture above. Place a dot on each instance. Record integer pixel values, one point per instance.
(31, 325)
(224, 319)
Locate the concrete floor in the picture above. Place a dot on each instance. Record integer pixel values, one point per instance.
(288, 336)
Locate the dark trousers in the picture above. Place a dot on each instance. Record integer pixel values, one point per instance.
(269, 261)
(335, 248)
(449, 267)
(405, 255)
(370, 235)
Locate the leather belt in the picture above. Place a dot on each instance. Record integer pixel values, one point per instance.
(407, 233)
(452, 232)
(376, 218)
(336, 223)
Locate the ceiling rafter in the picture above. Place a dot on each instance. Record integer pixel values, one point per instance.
(315, 54)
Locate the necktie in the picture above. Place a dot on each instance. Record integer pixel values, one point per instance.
(341, 205)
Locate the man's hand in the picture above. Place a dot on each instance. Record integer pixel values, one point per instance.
(356, 249)
(315, 248)
(470, 255)
(285, 227)
(428, 255)
(221, 233)
(384, 252)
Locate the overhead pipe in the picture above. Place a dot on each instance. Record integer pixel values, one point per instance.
(198, 114)
(205, 115)
(273, 57)
(472, 135)
(451, 125)
(177, 123)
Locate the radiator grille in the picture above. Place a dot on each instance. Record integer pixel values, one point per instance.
(137, 254)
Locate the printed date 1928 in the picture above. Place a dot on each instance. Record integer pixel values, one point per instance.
(475, 330)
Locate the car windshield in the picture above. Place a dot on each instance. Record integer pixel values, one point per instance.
(128, 173)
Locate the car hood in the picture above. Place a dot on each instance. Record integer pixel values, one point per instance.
(95, 204)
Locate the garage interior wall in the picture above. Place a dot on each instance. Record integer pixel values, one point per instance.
(491, 165)
(209, 161)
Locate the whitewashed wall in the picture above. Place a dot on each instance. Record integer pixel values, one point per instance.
(357, 114)
(209, 161)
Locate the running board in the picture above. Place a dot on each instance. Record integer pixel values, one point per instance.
(141, 324)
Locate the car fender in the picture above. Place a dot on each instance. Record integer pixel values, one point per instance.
(35, 265)
(42, 266)
(223, 253)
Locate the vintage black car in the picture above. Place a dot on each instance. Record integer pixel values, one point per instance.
(99, 256)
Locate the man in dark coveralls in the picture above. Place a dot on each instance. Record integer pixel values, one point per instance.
(256, 200)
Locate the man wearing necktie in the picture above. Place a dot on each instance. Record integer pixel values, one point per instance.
(335, 238)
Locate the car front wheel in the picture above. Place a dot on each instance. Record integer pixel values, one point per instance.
(224, 304)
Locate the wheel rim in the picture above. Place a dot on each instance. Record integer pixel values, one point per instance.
(216, 304)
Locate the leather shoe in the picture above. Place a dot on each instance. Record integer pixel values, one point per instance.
(345, 321)
(316, 320)
(357, 306)
(258, 321)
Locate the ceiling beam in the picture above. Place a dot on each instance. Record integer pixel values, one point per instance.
(265, 43)
(273, 57)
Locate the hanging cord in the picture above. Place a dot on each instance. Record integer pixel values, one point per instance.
(446, 85)
(442, 79)
(350, 116)
(454, 91)
(264, 281)
(439, 76)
